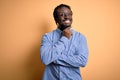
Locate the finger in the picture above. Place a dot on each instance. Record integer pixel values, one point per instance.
(68, 28)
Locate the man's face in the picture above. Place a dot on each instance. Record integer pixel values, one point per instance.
(64, 16)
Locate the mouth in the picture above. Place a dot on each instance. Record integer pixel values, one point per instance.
(68, 21)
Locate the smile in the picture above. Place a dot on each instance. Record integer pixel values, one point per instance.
(67, 21)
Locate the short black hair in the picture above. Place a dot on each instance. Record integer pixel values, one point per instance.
(58, 7)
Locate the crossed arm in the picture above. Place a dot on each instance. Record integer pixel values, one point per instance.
(54, 53)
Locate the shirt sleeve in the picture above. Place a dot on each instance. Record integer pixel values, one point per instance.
(49, 52)
(73, 60)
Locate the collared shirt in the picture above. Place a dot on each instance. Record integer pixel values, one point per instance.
(63, 57)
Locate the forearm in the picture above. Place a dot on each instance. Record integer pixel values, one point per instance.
(49, 52)
(73, 60)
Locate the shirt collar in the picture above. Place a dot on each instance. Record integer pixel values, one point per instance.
(58, 30)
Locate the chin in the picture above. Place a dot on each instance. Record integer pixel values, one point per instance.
(68, 25)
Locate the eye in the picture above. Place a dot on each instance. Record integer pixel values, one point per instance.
(61, 14)
(69, 14)
(64, 14)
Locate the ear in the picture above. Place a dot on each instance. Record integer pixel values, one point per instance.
(57, 24)
(57, 21)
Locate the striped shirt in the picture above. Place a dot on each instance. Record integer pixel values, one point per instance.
(63, 57)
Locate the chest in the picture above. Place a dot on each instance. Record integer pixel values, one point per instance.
(71, 46)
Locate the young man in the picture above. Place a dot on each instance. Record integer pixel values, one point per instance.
(63, 50)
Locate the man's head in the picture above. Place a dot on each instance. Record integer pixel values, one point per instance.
(63, 15)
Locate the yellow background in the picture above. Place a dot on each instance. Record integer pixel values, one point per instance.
(23, 22)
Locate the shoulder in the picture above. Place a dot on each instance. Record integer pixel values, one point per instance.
(78, 34)
(48, 35)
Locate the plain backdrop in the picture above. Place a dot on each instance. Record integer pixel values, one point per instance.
(23, 22)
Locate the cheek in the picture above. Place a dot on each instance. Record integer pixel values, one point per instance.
(60, 20)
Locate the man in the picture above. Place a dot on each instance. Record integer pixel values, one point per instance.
(63, 50)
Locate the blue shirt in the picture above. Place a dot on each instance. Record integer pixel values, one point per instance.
(63, 57)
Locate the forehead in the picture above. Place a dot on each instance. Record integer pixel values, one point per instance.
(63, 9)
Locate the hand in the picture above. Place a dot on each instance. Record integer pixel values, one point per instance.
(67, 33)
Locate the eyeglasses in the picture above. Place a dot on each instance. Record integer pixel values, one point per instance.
(62, 14)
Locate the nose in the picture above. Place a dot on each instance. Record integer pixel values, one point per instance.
(66, 16)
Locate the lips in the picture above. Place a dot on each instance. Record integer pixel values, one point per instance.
(67, 21)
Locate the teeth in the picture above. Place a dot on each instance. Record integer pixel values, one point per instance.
(67, 21)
